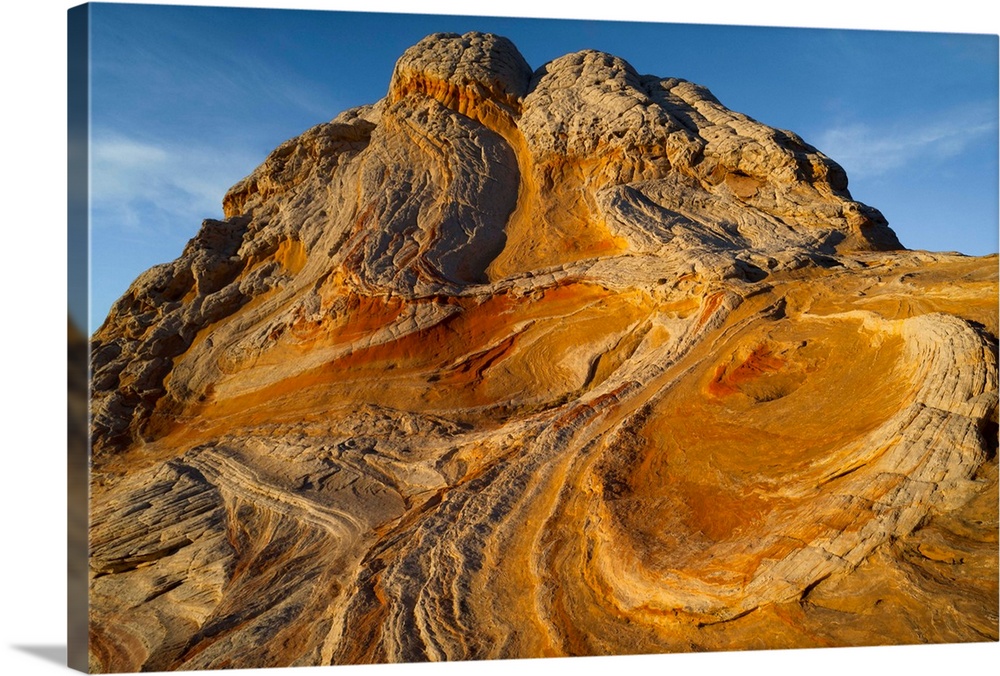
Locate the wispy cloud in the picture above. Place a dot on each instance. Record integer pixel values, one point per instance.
(871, 150)
(193, 68)
(148, 197)
(148, 187)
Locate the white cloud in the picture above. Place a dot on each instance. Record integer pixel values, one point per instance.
(152, 187)
(123, 169)
(868, 150)
(127, 152)
(147, 199)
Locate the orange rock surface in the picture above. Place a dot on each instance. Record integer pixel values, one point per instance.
(521, 363)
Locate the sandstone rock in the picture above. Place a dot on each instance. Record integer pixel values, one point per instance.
(514, 364)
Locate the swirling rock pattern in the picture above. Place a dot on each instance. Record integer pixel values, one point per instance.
(566, 362)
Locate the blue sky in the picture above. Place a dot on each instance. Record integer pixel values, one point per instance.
(188, 100)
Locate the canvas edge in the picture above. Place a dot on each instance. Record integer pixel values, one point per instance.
(78, 358)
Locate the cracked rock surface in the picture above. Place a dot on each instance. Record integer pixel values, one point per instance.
(515, 363)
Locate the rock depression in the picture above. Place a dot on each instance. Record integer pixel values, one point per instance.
(516, 363)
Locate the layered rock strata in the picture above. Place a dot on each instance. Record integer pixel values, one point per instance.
(521, 363)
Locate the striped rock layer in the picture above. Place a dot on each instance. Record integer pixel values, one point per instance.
(517, 363)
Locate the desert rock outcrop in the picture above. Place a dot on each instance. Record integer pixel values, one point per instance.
(519, 363)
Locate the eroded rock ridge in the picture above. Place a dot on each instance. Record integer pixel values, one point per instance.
(518, 363)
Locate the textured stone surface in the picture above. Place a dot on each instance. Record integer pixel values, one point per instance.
(515, 364)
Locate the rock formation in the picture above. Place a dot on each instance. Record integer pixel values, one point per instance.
(518, 363)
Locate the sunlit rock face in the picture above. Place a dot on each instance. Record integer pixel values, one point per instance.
(519, 363)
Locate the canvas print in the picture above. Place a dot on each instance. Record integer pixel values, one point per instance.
(428, 338)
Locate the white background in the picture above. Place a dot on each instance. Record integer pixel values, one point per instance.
(33, 349)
